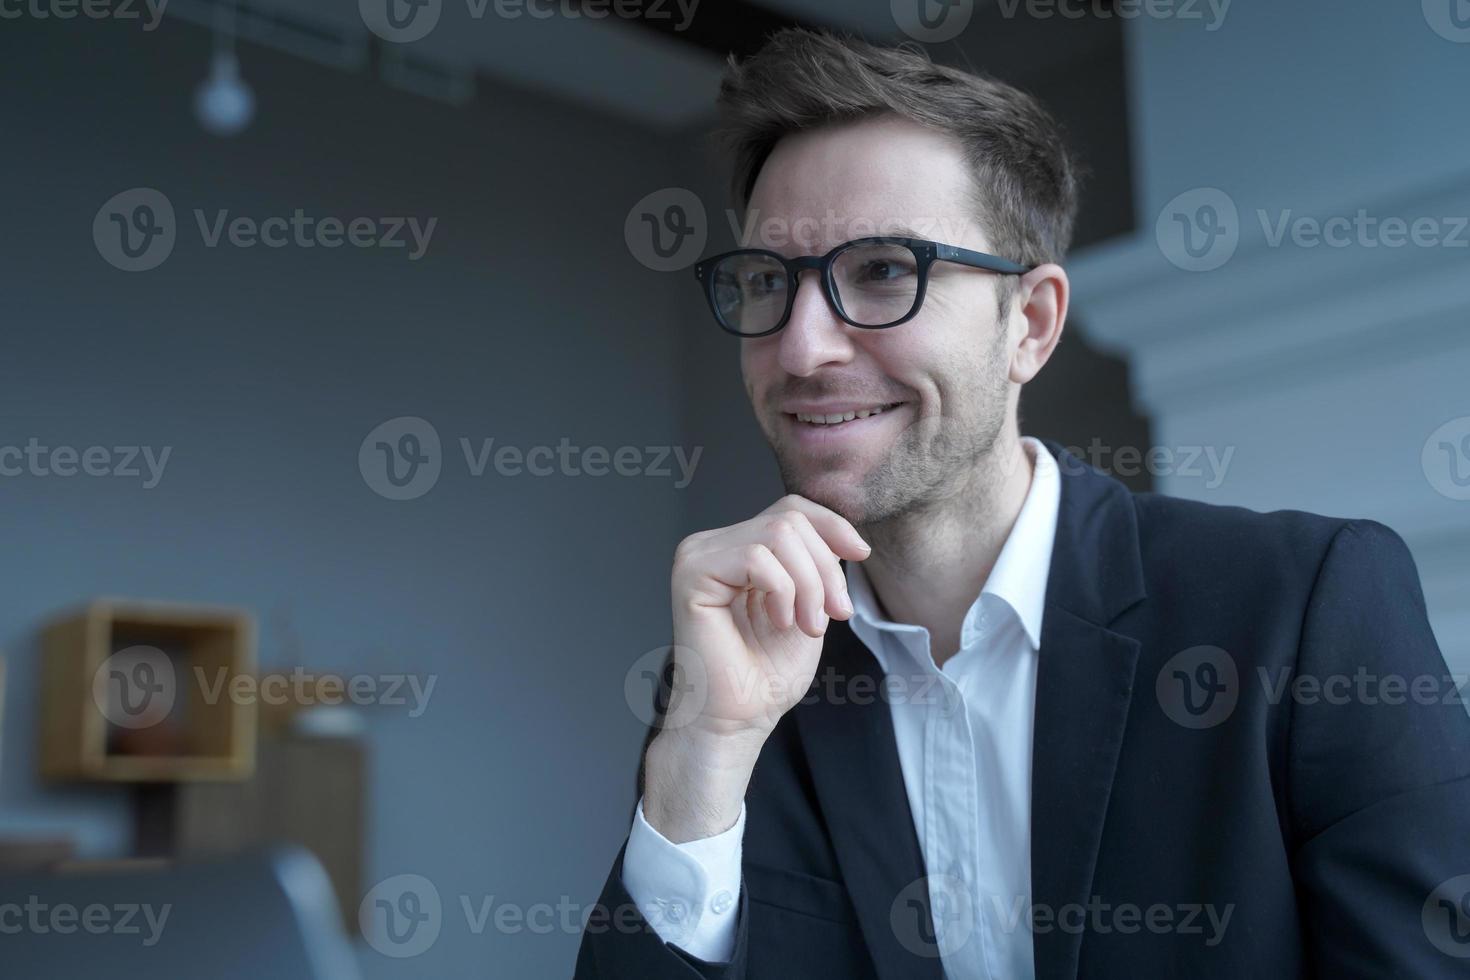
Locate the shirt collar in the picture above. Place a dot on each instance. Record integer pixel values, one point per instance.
(1019, 575)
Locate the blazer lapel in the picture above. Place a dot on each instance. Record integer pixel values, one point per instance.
(850, 746)
(1083, 687)
(1084, 682)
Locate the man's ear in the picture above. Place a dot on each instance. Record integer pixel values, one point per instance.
(1041, 308)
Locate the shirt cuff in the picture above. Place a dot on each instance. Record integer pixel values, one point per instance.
(689, 893)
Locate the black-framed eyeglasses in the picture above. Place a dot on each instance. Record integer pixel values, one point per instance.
(870, 282)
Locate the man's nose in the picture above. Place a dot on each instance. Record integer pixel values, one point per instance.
(815, 335)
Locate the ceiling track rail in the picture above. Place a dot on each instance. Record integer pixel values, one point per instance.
(354, 50)
(271, 28)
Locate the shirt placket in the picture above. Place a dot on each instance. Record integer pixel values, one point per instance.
(951, 836)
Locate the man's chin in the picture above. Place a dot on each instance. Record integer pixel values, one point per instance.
(840, 492)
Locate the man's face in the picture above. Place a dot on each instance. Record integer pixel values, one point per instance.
(941, 379)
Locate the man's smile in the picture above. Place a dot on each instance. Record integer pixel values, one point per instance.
(845, 425)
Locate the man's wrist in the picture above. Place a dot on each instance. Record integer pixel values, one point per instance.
(694, 782)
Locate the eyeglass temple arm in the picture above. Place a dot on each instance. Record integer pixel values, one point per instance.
(980, 260)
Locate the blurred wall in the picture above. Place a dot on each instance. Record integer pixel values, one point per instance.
(263, 370)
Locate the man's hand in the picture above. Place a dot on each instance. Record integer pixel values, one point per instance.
(751, 603)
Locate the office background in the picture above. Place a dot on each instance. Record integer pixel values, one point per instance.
(1326, 377)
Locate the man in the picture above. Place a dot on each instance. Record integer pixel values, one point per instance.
(960, 705)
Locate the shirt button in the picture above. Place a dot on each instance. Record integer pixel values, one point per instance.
(675, 911)
(721, 903)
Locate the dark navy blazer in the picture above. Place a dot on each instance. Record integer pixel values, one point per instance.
(1234, 711)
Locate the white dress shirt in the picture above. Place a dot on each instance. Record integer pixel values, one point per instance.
(964, 746)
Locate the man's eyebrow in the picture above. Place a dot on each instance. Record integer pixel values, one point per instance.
(789, 248)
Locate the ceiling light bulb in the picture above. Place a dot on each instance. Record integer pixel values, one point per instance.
(224, 103)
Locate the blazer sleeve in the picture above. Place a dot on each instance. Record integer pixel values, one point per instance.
(1379, 772)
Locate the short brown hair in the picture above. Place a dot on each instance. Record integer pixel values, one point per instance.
(1024, 178)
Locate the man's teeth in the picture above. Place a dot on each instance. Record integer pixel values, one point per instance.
(841, 417)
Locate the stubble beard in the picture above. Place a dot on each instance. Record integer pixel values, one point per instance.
(937, 460)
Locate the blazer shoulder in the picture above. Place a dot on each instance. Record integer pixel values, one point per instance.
(1177, 533)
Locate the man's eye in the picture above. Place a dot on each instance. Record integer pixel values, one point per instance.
(881, 270)
(765, 283)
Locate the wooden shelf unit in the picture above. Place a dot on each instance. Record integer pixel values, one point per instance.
(213, 736)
